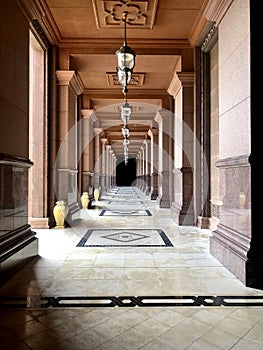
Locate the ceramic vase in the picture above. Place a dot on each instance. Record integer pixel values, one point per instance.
(85, 200)
(59, 212)
(96, 194)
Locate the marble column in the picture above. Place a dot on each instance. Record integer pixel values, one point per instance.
(139, 169)
(153, 133)
(88, 118)
(147, 166)
(68, 88)
(175, 90)
(143, 168)
(103, 163)
(97, 159)
(164, 119)
(111, 168)
(108, 148)
(187, 216)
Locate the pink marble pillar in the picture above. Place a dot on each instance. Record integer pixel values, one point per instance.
(165, 157)
(103, 163)
(97, 160)
(153, 133)
(88, 118)
(68, 88)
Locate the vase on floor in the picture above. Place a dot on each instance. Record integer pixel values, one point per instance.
(85, 200)
(59, 212)
(96, 194)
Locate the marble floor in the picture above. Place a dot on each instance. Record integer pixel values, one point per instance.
(125, 276)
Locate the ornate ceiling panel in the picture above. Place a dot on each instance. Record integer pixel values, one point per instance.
(141, 13)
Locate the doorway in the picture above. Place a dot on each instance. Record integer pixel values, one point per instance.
(126, 173)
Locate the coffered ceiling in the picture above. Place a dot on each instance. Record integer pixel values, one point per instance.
(89, 32)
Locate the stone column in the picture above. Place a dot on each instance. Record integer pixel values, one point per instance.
(111, 167)
(143, 168)
(88, 118)
(108, 148)
(114, 161)
(164, 119)
(68, 88)
(186, 216)
(97, 160)
(103, 163)
(153, 133)
(147, 166)
(139, 169)
(175, 89)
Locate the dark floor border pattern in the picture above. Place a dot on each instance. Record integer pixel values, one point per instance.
(102, 213)
(131, 301)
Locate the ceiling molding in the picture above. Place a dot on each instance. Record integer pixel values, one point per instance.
(108, 43)
(197, 30)
(38, 10)
(216, 9)
(112, 93)
(31, 9)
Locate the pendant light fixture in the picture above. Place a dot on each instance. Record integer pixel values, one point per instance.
(126, 60)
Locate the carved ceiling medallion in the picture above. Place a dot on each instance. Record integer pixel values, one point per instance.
(136, 80)
(109, 13)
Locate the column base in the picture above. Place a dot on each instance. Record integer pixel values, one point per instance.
(209, 223)
(153, 196)
(186, 217)
(16, 249)
(73, 210)
(163, 202)
(230, 248)
(40, 222)
(175, 212)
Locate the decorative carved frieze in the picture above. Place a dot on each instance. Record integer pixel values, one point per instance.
(109, 13)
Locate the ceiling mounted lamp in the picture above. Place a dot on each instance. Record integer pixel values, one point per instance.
(126, 111)
(125, 132)
(126, 60)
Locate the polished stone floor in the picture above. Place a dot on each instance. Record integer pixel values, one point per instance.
(125, 276)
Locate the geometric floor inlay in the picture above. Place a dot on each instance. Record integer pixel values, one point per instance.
(126, 212)
(125, 238)
(130, 301)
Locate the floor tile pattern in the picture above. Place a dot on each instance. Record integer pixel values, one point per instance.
(125, 238)
(127, 298)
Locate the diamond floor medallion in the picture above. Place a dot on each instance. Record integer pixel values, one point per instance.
(125, 238)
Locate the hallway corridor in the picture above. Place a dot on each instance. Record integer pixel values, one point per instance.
(125, 276)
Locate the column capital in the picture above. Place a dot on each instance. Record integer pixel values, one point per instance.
(104, 140)
(174, 86)
(163, 114)
(69, 78)
(146, 142)
(108, 147)
(153, 132)
(97, 131)
(88, 113)
(186, 78)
